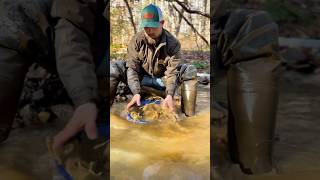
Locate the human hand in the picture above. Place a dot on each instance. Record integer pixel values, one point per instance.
(168, 103)
(84, 117)
(135, 100)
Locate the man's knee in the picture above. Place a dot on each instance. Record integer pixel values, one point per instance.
(248, 34)
(188, 80)
(187, 72)
(9, 98)
(12, 72)
(118, 69)
(257, 29)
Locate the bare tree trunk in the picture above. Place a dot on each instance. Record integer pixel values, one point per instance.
(172, 17)
(177, 30)
(131, 16)
(189, 19)
(204, 20)
(190, 24)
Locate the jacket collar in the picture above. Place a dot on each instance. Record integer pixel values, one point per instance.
(161, 40)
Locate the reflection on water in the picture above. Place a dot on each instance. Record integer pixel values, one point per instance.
(163, 151)
(24, 155)
(13, 174)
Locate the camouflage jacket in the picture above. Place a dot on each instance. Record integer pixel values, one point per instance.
(157, 59)
(67, 36)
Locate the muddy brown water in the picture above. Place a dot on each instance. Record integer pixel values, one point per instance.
(177, 151)
(24, 155)
(297, 148)
(296, 152)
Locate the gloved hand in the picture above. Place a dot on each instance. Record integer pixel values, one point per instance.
(84, 118)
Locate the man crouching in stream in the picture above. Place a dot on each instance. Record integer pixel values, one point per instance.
(154, 61)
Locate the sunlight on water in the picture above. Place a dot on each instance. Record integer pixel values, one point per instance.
(179, 151)
(13, 174)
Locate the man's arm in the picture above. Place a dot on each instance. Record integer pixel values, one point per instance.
(173, 62)
(74, 58)
(134, 67)
(75, 63)
(75, 66)
(172, 68)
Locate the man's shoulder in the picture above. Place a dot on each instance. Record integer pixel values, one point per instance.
(171, 39)
(138, 37)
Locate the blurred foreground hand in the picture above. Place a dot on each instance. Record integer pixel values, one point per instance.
(83, 118)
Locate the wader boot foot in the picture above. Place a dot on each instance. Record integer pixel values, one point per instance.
(189, 97)
(253, 97)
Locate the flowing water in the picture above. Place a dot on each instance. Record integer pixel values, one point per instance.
(297, 148)
(24, 156)
(176, 151)
(169, 150)
(181, 151)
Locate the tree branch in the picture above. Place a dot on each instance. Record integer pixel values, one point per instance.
(182, 4)
(131, 16)
(190, 24)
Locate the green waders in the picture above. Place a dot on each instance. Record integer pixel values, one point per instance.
(246, 47)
